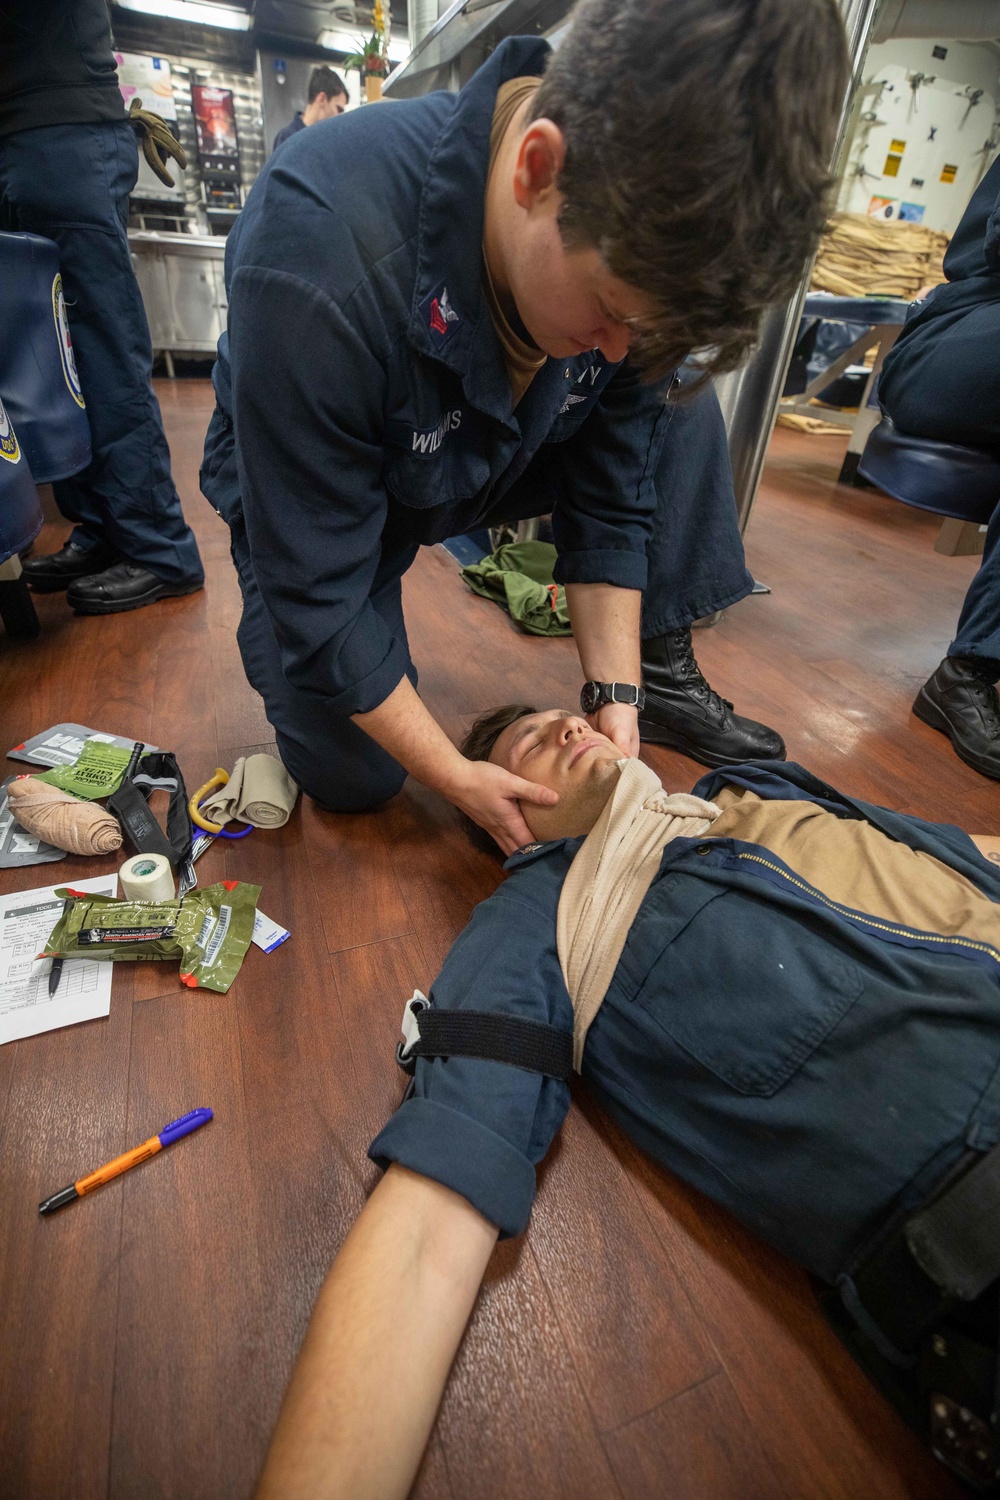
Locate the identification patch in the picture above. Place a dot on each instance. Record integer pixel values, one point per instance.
(8, 442)
(440, 316)
(65, 342)
(423, 441)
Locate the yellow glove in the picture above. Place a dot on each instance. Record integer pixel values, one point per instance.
(157, 142)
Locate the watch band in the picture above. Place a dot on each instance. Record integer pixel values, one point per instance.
(595, 695)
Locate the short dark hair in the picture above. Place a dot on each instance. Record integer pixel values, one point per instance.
(488, 728)
(699, 137)
(324, 80)
(476, 745)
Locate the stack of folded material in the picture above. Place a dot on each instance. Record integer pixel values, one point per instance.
(862, 257)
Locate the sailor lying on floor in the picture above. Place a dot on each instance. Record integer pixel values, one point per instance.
(788, 997)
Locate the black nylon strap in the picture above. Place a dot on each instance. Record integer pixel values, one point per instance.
(146, 772)
(956, 1239)
(531, 1045)
(945, 1252)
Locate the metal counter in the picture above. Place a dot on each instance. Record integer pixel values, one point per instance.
(183, 289)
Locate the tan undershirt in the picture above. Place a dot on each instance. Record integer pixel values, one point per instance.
(522, 359)
(854, 864)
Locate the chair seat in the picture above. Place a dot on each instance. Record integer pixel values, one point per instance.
(20, 510)
(39, 384)
(947, 478)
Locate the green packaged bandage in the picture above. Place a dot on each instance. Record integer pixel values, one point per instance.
(96, 772)
(209, 930)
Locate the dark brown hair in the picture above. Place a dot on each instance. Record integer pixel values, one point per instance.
(699, 135)
(488, 728)
(324, 80)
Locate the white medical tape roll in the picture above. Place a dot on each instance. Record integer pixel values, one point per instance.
(147, 877)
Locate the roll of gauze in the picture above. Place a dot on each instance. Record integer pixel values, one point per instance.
(147, 877)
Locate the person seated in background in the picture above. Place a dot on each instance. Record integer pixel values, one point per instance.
(942, 380)
(327, 98)
(786, 996)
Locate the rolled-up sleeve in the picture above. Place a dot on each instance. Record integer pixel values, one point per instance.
(602, 516)
(307, 414)
(478, 1127)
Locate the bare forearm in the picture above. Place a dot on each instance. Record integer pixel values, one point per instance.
(487, 793)
(605, 623)
(403, 726)
(390, 1316)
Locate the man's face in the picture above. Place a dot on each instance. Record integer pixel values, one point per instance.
(326, 108)
(559, 750)
(567, 298)
(569, 301)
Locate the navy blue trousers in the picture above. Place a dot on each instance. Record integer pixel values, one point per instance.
(942, 380)
(696, 566)
(71, 183)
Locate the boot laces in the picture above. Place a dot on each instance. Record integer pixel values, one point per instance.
(986, 693)
(694, 677)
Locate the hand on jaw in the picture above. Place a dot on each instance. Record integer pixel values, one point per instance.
(561, 751)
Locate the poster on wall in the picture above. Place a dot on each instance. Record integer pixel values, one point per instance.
(215, 122)
(883, 208)
(148, 79)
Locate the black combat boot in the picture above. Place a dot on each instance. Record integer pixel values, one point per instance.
(125, 586)
(684, 712)
(962, 702)
(55, 571)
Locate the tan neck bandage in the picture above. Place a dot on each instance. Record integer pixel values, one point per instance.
(608, 879)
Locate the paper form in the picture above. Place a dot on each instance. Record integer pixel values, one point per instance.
(26, 1007)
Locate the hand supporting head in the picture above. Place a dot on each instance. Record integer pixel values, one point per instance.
(556, 749)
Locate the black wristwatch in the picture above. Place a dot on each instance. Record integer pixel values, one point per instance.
(594, 695)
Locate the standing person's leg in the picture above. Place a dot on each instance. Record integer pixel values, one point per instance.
(960, 698)
(71, 184)
(327, 755)
(943, 381)
(696, 566)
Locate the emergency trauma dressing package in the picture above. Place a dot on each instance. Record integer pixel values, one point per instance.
(209, 930)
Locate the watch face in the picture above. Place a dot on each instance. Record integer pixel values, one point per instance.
(590, 697)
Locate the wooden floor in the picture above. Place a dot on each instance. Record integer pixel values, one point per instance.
(637, 1343)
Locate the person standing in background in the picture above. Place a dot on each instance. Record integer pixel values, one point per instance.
(68, 161)
(327, 97)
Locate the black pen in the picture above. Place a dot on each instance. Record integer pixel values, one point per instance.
(56, 966)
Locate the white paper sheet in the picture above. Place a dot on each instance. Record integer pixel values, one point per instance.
(26, 1008)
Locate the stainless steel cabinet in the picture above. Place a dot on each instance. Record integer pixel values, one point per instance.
(182, 281)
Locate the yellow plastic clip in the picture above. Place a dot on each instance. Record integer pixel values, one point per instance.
(219, 779)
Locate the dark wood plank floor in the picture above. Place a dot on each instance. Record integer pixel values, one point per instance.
(637, 1343)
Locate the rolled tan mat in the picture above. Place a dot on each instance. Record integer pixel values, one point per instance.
(259, 791)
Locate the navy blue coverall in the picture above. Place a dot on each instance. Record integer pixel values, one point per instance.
(942, 380)
(805, 1066)
(68, 161)
(286, 133)
(364, 409)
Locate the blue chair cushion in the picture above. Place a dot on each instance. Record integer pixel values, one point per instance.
(39, 384)
(947, 478)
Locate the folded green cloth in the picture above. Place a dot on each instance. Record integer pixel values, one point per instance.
(519, 576)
